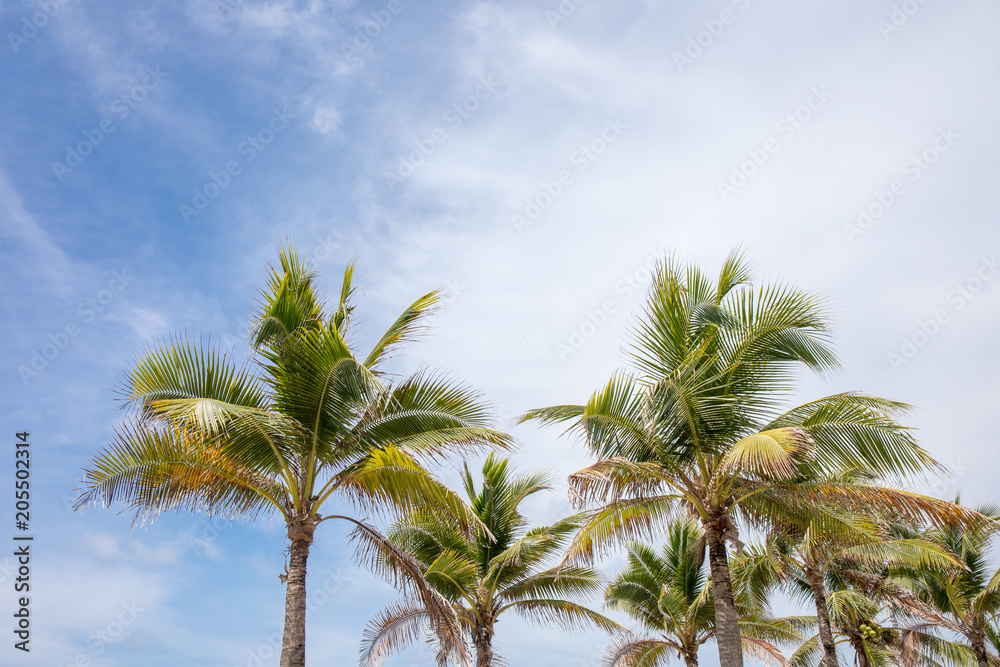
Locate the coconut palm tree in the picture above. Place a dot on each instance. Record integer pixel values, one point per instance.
(700, 427)
(808, 547)
(670, 595)
(968, 600)
(305, 422)
(484, 576)
(883, 623)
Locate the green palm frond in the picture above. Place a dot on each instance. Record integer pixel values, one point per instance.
(808, 654)
(406, 328)
(289, 302)
(428, 416)
(566, 581)
(391, 479)
(564, 613)
(856, 431)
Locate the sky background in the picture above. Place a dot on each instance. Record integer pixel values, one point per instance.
(429, 142)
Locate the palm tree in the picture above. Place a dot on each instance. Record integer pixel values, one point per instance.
(968, 600)
(670, 595)
(809, 547)
(483, 577)
(306, 421)
(883, 623)
(701, 431)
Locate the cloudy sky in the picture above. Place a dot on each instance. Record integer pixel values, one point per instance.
(530, 159)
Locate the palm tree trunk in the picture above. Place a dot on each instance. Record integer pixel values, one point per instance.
(823, 618)
(691, 658)
(484, 646)
(293, 641)
(978, 643)
(727, 631)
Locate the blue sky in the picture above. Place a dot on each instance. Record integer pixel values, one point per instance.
(531, 159)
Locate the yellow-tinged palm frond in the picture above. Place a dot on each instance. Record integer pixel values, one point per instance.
(889, 503)
(765, 651)
(621, 522)
(610, 480)
(152, 471)
(904, 553)
(774, 454)
(856, 431)
(757, 624)
(182, 371)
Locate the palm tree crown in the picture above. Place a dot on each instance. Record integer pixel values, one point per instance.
(670, 595)
(967, 601)
(484, 575)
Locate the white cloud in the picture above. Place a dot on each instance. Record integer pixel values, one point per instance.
(325, 119)
(17, 223)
